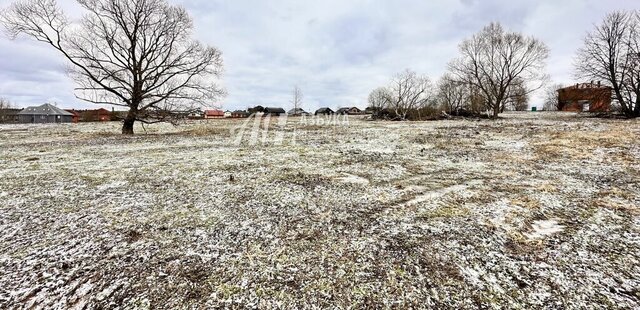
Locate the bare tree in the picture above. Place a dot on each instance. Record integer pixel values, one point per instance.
(518, 99)
(494, 60)
(409, 91)
(5, 103)
(551, 99)
(611, 53)
(379, 99)
(452, 95)
(131, 53)
(296, 99)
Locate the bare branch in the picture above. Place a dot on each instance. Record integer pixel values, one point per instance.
(133, 53)
(501, 65)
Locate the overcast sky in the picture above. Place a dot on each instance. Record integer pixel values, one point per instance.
(337, 51)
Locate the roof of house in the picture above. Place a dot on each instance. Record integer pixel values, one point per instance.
(214, 113)
(273, 110)
(586, 86)
(73, 112)
(45, 109)
(321, 110)
(297, 111)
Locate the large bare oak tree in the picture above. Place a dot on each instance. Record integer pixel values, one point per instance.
(611, 53)
(496, 61)
(137, 54)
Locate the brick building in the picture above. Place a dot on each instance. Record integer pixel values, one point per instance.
(585, 97)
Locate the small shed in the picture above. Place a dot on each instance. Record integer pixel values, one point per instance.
(46, 113)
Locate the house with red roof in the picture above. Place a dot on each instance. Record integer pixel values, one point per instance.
(213, 114)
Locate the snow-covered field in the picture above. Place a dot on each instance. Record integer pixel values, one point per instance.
(531, 211)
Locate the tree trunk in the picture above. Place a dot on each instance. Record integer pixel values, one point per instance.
(496, 109)
(127, 126)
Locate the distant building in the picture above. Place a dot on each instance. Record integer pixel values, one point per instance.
(76, 116)
(371, 110)
(239, 114)
(227, 114)
(212, 114)
(197, 114)
(274, 111)
(95, 115)
(9, 115)
(349, 111)
(255, 110)
(324, 111)
(98, 115)
(45, 113)
(118, 115)
(585, 97)
(297, 112)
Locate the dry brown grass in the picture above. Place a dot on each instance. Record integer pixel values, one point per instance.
(209, 129)
(580, 144)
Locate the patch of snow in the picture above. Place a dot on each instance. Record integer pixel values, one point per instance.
(353, 179)
(506, 145)
(472, 275)
(543, 229)
(435, 194)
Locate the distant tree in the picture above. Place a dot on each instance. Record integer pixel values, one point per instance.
(409, 91)
(5, 103)
(551, 102)
(296, 100)
(379, 99)
(452, 96)
(494, 60)
(518, 97)
(137, 54)
(611, 53)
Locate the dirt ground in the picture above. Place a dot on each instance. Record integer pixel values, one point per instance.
(530, 211)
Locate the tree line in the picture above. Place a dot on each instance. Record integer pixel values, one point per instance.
(495, 71)
(140, 55)
(498, 70)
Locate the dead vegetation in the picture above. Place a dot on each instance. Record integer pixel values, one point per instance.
(530, 211)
